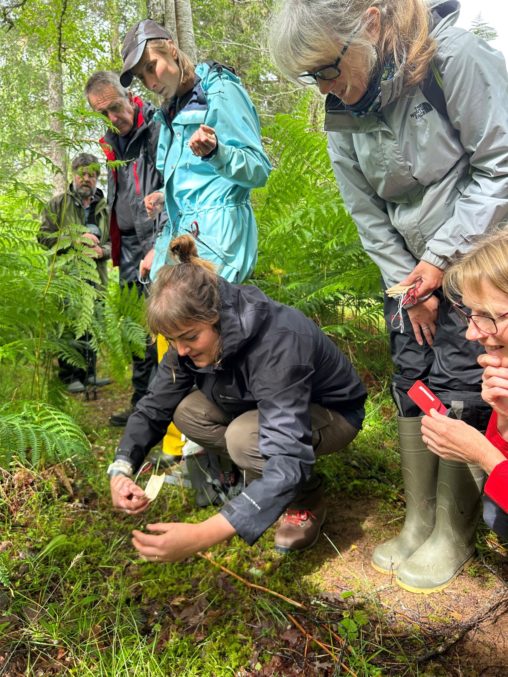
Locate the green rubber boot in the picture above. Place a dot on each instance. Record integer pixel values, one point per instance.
(452, 543)
(419, 473)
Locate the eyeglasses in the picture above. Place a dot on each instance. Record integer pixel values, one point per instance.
(329, 72)
(483, 323)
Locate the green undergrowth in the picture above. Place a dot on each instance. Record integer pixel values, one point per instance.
(75, 598)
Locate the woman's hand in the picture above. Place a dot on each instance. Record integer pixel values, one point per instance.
(204, 141)
(428, 276)
(175, 541)
(495, 386)
(423, 318)
(145, 265)
(154, 203)
(167, 542)
(127, 496)
(457, 441)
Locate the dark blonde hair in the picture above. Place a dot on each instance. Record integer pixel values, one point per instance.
(161, 47)
(487, 261)
(185, 292)
(306, 34)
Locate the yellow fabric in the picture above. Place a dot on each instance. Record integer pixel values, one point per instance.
(173, 441)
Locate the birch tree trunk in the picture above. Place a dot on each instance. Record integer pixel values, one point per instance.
(176, 16)
(156, 10)
(56, 150)
(184, 28)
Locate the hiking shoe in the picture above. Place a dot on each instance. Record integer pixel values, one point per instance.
(299, 529)
(119, 420)
(98, 382)
(75, 387)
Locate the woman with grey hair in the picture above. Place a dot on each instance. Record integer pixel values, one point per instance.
(416, 115)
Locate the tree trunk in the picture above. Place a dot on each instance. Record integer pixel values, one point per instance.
(176, 16)
(113, 14)
(185, 29)
(170, 19)
(56, 150)
(155, 10)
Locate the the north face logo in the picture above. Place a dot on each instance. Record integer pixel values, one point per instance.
(421, 110)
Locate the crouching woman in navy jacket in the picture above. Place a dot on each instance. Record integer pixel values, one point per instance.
(250, 378)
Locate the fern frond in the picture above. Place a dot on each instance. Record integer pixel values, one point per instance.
(38, 434)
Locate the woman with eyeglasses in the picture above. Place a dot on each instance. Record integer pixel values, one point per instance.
(480, 279)
(417, 123)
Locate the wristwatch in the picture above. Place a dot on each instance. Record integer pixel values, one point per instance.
(119, 467)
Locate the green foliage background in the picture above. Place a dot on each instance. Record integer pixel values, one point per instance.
(309, 254)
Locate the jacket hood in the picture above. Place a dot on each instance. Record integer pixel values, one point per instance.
(443, 14)
(210, 73)
(243, 312)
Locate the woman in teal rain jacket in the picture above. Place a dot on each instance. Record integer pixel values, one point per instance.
(209, 151)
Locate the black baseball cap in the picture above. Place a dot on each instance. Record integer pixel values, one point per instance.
(134, 45)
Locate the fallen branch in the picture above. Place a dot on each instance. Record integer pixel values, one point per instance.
(293, 620)
(458, 631)
(298, 605)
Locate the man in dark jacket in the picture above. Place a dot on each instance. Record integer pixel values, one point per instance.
(83, 204)
(132, 138)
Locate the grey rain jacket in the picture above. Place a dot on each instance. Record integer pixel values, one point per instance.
(420, 186)
(276, 360)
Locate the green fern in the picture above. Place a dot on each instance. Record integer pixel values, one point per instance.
(123, 325)
(38, 434)
(310, 254)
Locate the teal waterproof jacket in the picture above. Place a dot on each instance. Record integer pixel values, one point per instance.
(210, 197)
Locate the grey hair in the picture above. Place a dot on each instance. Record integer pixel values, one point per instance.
(86, 160)
(102, 79)
(305, 34)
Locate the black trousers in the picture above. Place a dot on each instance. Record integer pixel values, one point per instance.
(449, 367)
(143, 368)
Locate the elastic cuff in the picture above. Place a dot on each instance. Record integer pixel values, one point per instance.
(120, 467)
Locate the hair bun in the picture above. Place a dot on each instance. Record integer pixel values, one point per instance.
(183, 249)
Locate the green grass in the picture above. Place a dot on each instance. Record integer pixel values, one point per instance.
(76, 600)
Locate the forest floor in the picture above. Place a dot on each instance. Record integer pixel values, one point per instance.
(364, 623)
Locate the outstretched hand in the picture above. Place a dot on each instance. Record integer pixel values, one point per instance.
(166, 542)
(175, 541)
(203, 141)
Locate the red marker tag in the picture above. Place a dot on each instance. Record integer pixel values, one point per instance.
(425, 398)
